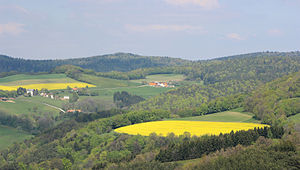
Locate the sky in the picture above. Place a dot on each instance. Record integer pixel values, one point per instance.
(189, 29)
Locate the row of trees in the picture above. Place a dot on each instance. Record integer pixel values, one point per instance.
(196, 147)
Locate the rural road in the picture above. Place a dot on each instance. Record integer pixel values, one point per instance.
(54, 107)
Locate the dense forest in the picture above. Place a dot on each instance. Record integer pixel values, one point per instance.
(262, 67)
(277, 99)
(104, 63)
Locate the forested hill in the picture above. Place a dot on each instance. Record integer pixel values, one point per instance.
(103, 63)
(262, 54)
(223, 78)
(277, 99)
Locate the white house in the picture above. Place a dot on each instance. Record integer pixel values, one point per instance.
(30, 91)
(66, 97)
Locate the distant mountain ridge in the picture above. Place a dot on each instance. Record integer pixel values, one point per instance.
(124, 62)
(103, 63)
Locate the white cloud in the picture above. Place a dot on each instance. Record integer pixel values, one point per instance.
(158, 27)
(206, 4)
(235, 36)
(274, 32)
(11, 28)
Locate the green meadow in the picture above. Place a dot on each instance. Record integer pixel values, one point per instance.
(10, 135)
(228, 116)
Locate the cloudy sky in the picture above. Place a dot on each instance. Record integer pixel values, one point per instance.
(191, 29)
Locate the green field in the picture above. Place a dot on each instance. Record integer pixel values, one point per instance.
(27, 106)
(39, 99)
(161, 77)
(20, 77)
(10, 135)
(228, 116)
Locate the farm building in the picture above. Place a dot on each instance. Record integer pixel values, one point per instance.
(30, 91)
(73, 110)
(159, 84)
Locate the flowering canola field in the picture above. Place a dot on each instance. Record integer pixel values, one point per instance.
(197, 128)
(49, 86)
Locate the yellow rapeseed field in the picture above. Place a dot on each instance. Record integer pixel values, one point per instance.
(197, 128)
(49, 86)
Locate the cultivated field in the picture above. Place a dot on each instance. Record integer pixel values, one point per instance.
(48, 81)
(10, 135)
(20, 77)
(197, 128)
(228, 116)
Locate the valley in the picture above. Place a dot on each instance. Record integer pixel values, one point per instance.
(160, 117)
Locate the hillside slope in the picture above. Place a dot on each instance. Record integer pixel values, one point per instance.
(279, 98)
(103, 63)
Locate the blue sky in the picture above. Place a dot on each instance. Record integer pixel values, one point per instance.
(191, 29)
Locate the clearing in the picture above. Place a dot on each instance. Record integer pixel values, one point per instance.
(228, 116)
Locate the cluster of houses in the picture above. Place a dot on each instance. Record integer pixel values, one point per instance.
(52, 96)
(159, 84)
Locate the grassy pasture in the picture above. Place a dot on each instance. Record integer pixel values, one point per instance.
(39, 100)
(161, 77)
(178, 127)
(26, 106)
(10, 135)
(228, 116)
(19, 77)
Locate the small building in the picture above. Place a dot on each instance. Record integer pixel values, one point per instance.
(73, 110)
(30, 91)
(66, 97)
(153, 84)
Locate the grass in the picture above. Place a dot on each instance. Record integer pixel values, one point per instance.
(161, 77)
(27, 106)
(179, 127)
(19, 77)
(10, 135)
(39, 99)
(228, 116)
